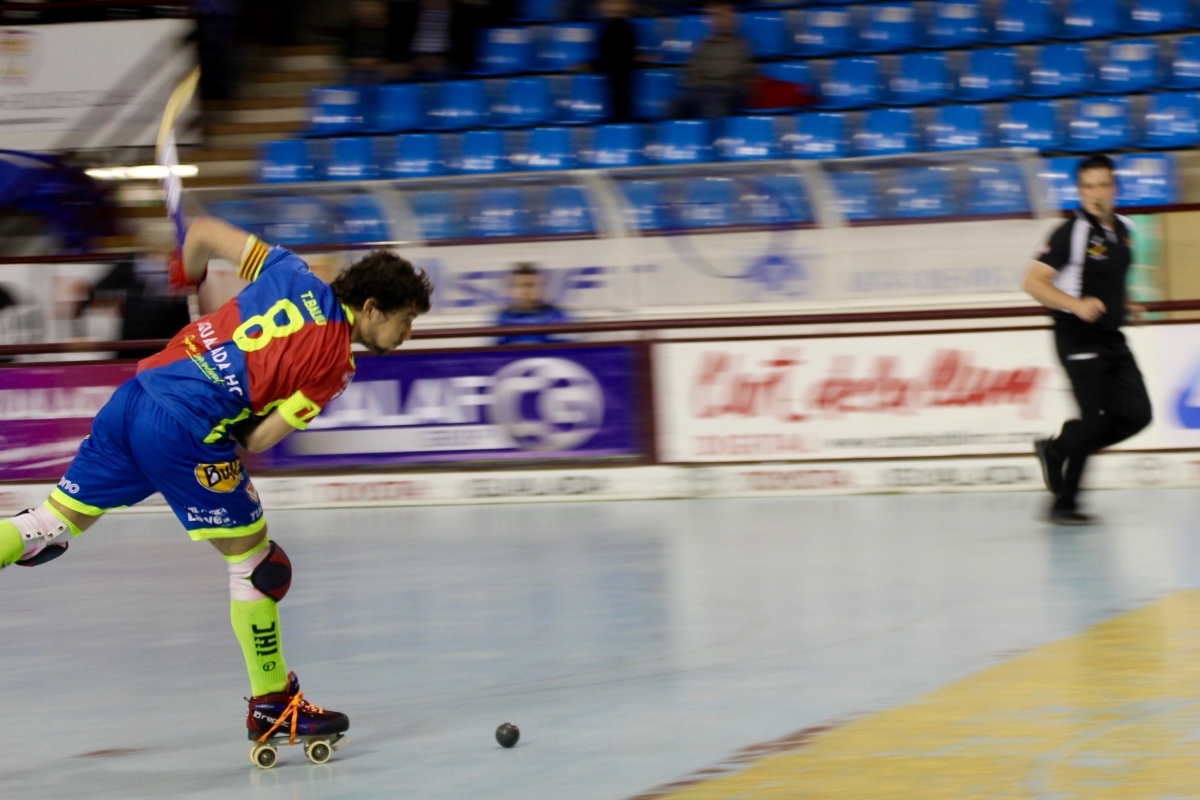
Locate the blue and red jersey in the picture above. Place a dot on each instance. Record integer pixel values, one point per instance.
(283, 343)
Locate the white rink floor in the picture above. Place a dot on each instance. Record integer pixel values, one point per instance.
(633, 643)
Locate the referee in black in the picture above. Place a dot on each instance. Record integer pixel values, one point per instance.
(1080, 273)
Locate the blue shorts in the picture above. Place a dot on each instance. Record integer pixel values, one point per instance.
(136, 449)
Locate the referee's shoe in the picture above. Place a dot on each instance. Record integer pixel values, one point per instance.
(1052, 473)
(1052, 465)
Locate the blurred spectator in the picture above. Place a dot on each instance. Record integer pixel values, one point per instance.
(420, 33)
(436, 38)
(528, 306)
(722, 66)
(216, 25)
(615, 53)
(367, 40)
(135, 290)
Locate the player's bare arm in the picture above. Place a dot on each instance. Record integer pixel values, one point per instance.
(209, 236)
(1039, 284)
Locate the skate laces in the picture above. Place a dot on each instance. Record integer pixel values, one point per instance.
(292, 712)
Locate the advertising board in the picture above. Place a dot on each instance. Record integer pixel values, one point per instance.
(45, 412)
(527, 405)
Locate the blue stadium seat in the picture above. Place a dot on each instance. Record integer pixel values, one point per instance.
(706, 203)
(646, 36)
(775, 200)
(680, 36)
(460, 105)
(748, 139)
(362, 220)
(505, 51)
(654, 91)
(1057, 176)
(244, 214)
(1030, 123)
(683, 141)
(1130, 65)
(886, 132)
(955, 23)
(765, 32)
(1185, 63)
(920, 192)
(790, 71)
(818, 135)
(352, 159)
(887, 27)
(500, 211)
(1172, 120)
(436, 215)
(618, 145)
(643, 204)
(286, 161)
(1098, 125)
(337, 110)
(1020, 21)
(957, 128)
(398, 108)
(1156, 16)
(989, 75)
(585, 102)
(1146, 179)
(567, 212)
(550, 148)
(997, 187)
(1089, 19)
(855, 194)
(539, 10)
(521, 102)
(483, 152)
(566, 46)
(821, 31)
(299, 221)
(417, 155)
(919, 79)
(851, 83)
(1058, 70)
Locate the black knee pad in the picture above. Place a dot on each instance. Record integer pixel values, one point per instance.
(273, 575)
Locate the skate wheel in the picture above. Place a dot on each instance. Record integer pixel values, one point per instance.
(264, 756)
(318, 752)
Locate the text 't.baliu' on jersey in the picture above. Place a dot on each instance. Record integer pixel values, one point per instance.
(283, 343)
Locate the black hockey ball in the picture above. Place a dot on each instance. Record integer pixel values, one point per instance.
(507, 734)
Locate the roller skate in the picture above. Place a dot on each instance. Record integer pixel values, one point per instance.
(271, 716)
(47, 552)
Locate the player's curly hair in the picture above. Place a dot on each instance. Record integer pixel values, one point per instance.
(393, 281)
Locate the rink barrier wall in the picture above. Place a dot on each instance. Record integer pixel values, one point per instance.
(1113, 470)
(1020, 390)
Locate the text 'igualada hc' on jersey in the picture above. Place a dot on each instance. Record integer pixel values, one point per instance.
(283, 343)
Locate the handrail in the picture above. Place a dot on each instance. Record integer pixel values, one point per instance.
(640, 325)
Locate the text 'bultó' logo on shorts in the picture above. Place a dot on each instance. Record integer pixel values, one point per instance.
(222, 477)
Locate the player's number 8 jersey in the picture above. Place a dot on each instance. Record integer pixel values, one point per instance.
(283, 343)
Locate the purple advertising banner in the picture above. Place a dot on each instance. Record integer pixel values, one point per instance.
(45, 412)
(537, 404)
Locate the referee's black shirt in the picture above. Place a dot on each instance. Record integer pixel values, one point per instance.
(1091, 261)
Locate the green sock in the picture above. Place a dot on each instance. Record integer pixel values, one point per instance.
(256, 624)
(12, 546)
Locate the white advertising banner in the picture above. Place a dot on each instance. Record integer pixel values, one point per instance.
(90, 84)
(945, 394)
(786, 268)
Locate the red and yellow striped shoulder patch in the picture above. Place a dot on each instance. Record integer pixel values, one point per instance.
(252, 259)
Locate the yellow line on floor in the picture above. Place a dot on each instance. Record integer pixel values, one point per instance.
(1113, 712)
